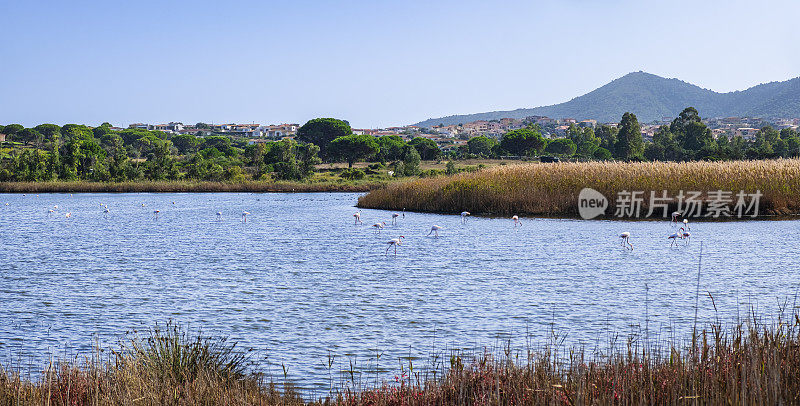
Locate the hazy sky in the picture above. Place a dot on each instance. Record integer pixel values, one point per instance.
(375, 63)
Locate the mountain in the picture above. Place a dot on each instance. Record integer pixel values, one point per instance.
(652, 97)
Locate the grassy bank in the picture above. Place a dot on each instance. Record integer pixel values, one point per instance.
(552, 189)
(187, 186)
(745, 364)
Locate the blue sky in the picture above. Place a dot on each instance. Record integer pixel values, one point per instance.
(375, 63)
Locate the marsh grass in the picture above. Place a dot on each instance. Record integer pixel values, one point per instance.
(748, 363)
(552, 189)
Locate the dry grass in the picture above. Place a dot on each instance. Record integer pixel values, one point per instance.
(750, 363)
(552, 189)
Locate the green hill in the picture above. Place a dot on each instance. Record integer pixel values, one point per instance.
(652, 97)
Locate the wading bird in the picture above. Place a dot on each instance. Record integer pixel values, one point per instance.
(394, 218)
(155, 213)
(219, 215)
(675, 215)
(379, 226)
(435, 230)
(49, 212)
(68, 215)
(674, 237)
(516, 221)
(464, 215)
(625, 238)
(685, 235)
(394, 242)
(105, 211)
(686, 225)
(244, 216)
(357, 215)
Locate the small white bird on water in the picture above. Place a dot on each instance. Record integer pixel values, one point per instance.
(68, 215)
(394, 242)
(625, 238)
(435, 230)
(517, 223)
(155, 213)
(357, 215)
(244, 216)
(464, 215)
(219, 215)
(394, 218)
(675, 215)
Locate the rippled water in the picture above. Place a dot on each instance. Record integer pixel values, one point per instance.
(299, 281)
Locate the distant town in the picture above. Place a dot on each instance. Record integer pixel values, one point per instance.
(450, 137)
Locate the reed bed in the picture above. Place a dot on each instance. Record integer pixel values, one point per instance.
(748, 363)
(184, 187)
(552, 189)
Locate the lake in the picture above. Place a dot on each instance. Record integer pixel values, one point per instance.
(298, 281)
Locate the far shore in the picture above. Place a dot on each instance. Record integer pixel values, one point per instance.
(185, 187)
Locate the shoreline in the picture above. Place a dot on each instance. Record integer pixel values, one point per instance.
(184, 187)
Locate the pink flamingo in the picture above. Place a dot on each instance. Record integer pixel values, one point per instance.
(394, 242)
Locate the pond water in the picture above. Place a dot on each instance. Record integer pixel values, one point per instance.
(298, 281)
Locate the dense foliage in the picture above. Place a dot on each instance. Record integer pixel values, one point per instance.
(77, 152)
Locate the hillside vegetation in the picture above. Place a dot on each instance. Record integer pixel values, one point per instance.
(652, 97)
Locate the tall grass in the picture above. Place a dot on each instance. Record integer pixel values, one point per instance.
(552, 189)
(750, 363)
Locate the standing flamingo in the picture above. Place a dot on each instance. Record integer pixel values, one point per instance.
(357, 215)
(674, 237)
(219, 215)
(394, 218)
(464, 215)
(244, 216)
(685, 235)
(675, 215)
(435, 229)
(155, 213)
(404, 212)
(625, 239)
(394, 242)
(379, 226)
(686, 224)
(516, 221)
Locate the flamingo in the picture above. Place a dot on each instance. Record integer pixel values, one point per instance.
(357, 215)
(674, 237)
(155, 213)
(435, 229)
(394, 242)
(219, 215)
(686, 225)
(685, 235)
(379, 226)
(49, 212)
(464, 215)
(625, 239)
(404, 212)
(516, 221)
(105, 211)
(244, 216)
(68, 215)
(675, 215)
(394, 218)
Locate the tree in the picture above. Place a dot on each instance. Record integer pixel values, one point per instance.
(523, 142)
(185, 143)
(561, 146)
(29, 136)
(102, 130)
(391, 148)
(352, 148)
(481, 146)
(608, 136)
(427, 149)
(629, 139)
(11, 130)
(602, 154)
(688, 115)
(411, 161)
(322, 131)
(49, 131)
(585, 140)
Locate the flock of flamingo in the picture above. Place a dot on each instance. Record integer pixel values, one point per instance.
(683, 234)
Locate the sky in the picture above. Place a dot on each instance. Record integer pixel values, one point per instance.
(374, 63)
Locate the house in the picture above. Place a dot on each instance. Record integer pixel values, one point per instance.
(2, 138)
(746, 132)
(588, 123)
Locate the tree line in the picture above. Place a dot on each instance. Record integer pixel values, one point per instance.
(77, 152)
